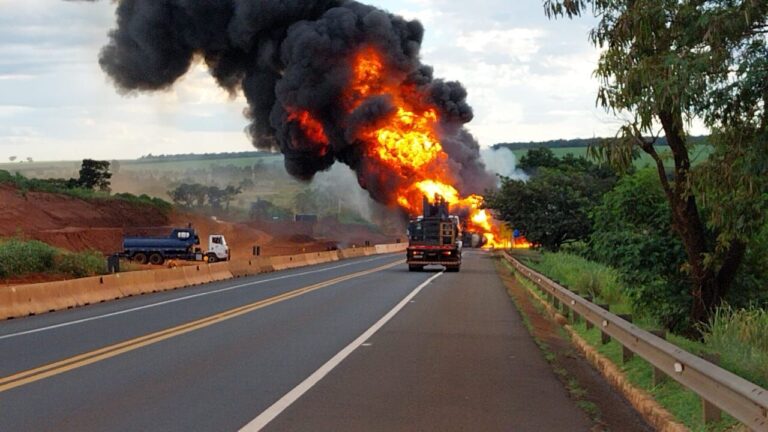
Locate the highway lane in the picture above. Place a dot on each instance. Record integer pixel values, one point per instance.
(456, 357)
(38, 340)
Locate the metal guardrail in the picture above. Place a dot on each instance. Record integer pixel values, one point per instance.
(745, 401)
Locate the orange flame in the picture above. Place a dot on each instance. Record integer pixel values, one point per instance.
(409, 144)
(311, 127)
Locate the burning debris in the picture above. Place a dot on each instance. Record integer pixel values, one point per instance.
(325, 81)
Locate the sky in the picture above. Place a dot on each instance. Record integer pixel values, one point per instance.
(528, 79)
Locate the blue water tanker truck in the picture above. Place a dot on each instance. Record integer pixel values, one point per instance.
(182, 244)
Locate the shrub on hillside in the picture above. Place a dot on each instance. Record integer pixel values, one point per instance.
(20, 257)
(82, 264)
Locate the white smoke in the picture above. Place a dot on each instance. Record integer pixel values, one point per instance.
(502, 161)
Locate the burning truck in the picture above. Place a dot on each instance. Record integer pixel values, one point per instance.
(434, 238)
(326, 81)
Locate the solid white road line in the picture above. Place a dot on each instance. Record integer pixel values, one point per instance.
(189, 297)
(283, 403)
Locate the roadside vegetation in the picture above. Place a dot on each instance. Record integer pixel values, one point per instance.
(19, 257)
(681, 242)
(682, 403)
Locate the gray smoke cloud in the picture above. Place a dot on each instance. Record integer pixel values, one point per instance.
(291, 55)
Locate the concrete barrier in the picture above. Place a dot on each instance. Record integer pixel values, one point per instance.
(288, 262)
(135, 283)
(168, 279)
(45, 297)
(220, 271)
(23, 300)
(197, 274)
(94, 290)
(241, 268)
(12, 302)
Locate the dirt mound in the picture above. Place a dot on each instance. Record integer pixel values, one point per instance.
(71, 223)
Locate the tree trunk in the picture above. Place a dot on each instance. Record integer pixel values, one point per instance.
(709, 286)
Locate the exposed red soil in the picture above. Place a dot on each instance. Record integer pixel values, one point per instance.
(71, 223)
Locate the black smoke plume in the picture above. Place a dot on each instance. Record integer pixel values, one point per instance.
(293, 54)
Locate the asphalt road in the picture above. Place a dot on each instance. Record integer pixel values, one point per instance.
(360, 345)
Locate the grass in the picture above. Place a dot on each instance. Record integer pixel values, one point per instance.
(19, 257)
(585, 277)
(682, 403)
(740, 337)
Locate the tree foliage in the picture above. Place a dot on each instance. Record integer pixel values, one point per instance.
(552, 208)
(192, 195)
(664, 63)
(95, 174)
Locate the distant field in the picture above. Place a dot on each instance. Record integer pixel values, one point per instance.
(70, 168)
(139, 165)
(699, 154)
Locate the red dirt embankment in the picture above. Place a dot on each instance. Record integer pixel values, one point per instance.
(71, 223)
(77, 225)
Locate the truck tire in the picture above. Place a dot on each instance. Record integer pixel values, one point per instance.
(212, 258)
(415, 268)
(140, 258)
(156, 259)
(452, 269)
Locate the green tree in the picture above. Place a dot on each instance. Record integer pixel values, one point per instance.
(663, 63)
(551, 209)
(183, 195)
(94, 174)
(534, 159)
(229, 193)
(632, 233)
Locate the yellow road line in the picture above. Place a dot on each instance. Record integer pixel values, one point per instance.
(42, 372)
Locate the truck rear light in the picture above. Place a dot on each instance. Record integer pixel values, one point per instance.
(448, 253)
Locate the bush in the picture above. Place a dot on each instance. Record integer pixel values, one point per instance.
(741, 338)
(81, 264)
(20, 257)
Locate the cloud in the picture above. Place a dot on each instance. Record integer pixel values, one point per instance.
(517, 43)
(528, 78)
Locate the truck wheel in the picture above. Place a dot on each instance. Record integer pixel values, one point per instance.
(140, 258)
(212, 258)
(156, 259)
(415, 268)
(452, 269)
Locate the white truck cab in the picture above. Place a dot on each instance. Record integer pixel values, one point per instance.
(217, 248)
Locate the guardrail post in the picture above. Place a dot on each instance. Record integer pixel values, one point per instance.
(604, 338)
(626, 353)
(587, 322)
(659, 376)
(710, 412)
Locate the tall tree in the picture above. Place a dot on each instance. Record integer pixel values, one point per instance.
(95, 174)
(664, 63)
